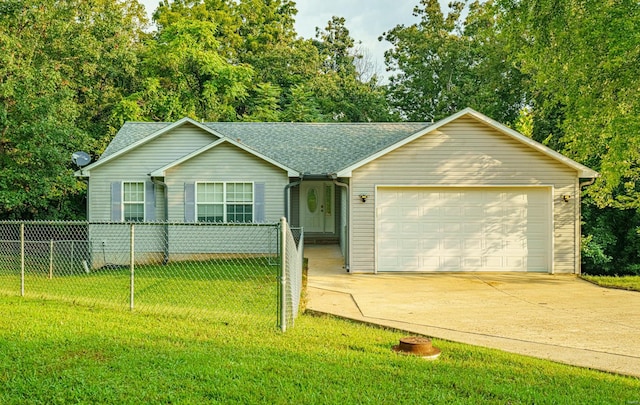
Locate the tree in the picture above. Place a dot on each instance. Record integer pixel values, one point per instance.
(62, 65)
(340, 93)
(445, 63)
(290, 78)
(186, 75)
(583, 60)
(582, 57)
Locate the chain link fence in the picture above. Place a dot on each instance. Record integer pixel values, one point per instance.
(231, 273)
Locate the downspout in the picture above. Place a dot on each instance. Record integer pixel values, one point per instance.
(346, 233)
(287, 198)
(579, 238)
(165, 258)
(587, 183)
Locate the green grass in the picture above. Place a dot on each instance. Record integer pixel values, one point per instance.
(54, 353)
(625, 282)
(217, 289)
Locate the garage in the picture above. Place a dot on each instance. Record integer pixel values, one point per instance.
(429, 229)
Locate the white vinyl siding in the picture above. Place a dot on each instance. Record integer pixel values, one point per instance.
(227, 163)
(466, 152)
(138, 163)
(224, 202)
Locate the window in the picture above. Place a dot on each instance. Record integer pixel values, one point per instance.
(133, 201)
(224, 202)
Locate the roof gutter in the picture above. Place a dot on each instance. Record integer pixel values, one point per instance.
(327, 176)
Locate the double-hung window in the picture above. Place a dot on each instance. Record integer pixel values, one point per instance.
(133, 201)
(224, 202)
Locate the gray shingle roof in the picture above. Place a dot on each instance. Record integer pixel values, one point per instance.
(310, 148)
(130, 133)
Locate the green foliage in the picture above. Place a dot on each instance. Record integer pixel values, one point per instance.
(185, 75)
(289, 78)
(60, 68)
(612, 241)
(72, 72)
(340, 93)
(57, 353)
(564, 73)
(445, 63)
(582, 57)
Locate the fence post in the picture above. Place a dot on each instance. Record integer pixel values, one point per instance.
(283, 274)
(72, 255)
(132, 257)
(22, 259)
(50, 259)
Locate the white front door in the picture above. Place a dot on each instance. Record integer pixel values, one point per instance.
(317, 210)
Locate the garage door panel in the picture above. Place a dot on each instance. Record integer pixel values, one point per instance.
(388, 263)
(390, 228)
(493, 263)
(472, 245)
(430, 245)
(409, 228)
(450, 228)
(472, 262)
(493, 229)
(472, 228)
(515, 262)
(473, 212)
(409, 246)
(452, 211)
(410, 212)
(450, 263)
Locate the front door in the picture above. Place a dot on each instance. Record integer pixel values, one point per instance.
(317, 211)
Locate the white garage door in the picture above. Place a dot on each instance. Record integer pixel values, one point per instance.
(463, 229)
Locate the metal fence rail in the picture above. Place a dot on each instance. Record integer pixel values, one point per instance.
(223, 272)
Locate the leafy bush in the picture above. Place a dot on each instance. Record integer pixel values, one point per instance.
(611, 241)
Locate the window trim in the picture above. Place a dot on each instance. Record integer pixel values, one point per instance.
(123, 202)
(224, 202)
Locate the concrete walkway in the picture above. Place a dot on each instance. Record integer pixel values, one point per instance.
(555, 317)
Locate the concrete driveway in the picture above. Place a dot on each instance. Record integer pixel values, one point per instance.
(555, 317)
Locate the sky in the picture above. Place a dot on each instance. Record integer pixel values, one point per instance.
(365, 19)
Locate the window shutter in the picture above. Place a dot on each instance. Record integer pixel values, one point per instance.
(116, 201)
(149, 201)
(258, 202)
(189, 202)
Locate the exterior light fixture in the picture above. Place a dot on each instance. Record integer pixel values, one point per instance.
(566, 198)
(364, 197)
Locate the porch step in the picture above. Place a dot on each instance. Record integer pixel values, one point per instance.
(321, 240)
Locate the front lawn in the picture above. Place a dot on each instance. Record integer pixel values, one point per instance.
(625, 282)
(55, 352)
(217, 289)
